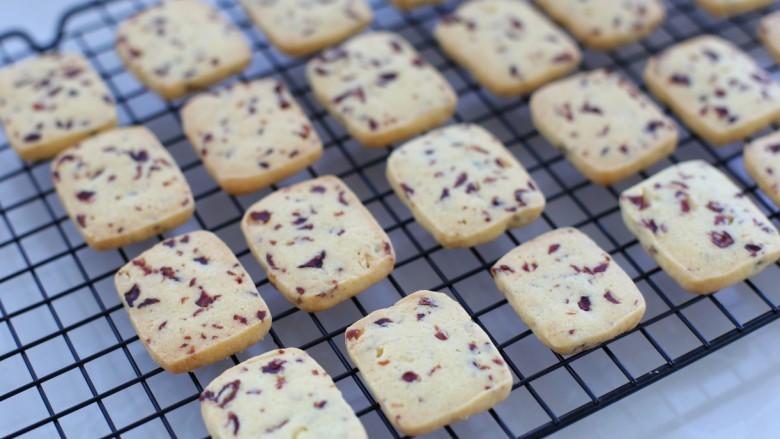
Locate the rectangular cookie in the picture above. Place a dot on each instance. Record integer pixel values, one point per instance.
(380, 89)
(191, 302)
(50, 102)
(762, 161)
(769, 33)
(509, 47)
(302, 27)
(606, 24)
(716, 89)
(699, 227)
(281, 394)
(604, 125)
(180, 46)
(463, 186)
(427, 363)
(121, 186)
(250, 135)
(317, 242)
(726, 8)
(569, 291)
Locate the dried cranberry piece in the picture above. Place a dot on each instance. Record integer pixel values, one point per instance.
(168, 273)
(650, 224)
(356, 93)
(132, 295)
(202, 260)
(653, 125)
(584, 303)
(753, 249)
(715, 206)
(520, 195)
(721, 239)
(85, 196)
(139, 156)
(774, 149)
(32, 137)
(383, 322)
(320, 404)
(205, 299)
(410, 377)
(354, 334)
(426, 301)
(680, 79)
(588, 108)
(261, 217)
(315, 262)
(684, 206)
(261, 315)
(232, 390)
(564, 57)
(461, 179)
(316, 189)
(240, 319)
(407, 190)
(269, 258)
(639, 200)
(147, 302)
(386, 78)
(274, 366)
(445, 193)
(233, 419)
(441, 335)
(553, 248)
(608, 295)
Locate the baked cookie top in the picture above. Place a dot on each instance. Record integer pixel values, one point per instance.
(718, 90)
(606, 127)
(317, 242)
(300, 27)
(52, 101)
(380, 88)
(463, 185)
(606, 24)
(699, 227)
(179, 46)
(121, 186)
(569, 291)
(427, 363)
(191, 302)
(250, 135)
(507, 45)
(762, 161)
(280, 394)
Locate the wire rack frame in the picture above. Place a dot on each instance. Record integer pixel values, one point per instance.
(64, 334)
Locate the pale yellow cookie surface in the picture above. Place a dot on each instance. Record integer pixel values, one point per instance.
(280, 394)
(699, 227)
(716, 89)
(427, 363)
(191, 302)
(507, 45)
(605, 126)
(463, 185)
(250, 135)
(51, 102)
(569, 291)
(301, 27)
(317, 242)
(380, 88)
(180, 46)
(762, 161)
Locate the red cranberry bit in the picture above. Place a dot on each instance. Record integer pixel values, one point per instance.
(600, 268)
(354, 334)
(277, 426)
(261, 315)
(85, 196)
(653, 125)
(584, 303)
(410, 377)
(170, 243)
(300, 291)
(383, 322)
(320, 404)
(553, 248)
(132, 295)
(261, 217)
(274, 366)
(426, 301)
(356, 93)
(530, 267)
(715, 206)
(240, 319)
(774, 149)
(608, 295)
(205, 300)
(315, 262)
(407, 190)
(147, 302)
(233, 419)
(317, 190)
(230, 390)
(721, 239)
(139, 156)
(305, 132)
(168, 273)
(440, 335)
(386, 78)
(269, 258)
(420, 316)
(202, 260)
(753, 249)
(461, 179)
(680, 79)
(650, 224)
(684, 206)
(564, 57)
(32, 137)
(343, 198)
(588, 108)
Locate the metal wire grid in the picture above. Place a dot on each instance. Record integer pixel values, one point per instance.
(77, 368)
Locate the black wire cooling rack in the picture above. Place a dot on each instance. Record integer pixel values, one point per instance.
(72, 365)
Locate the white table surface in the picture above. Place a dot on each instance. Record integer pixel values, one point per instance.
(731, 393)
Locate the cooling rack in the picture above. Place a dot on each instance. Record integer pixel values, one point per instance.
(73, 366)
